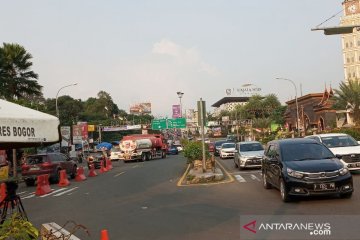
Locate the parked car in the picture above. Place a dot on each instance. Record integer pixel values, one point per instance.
(172, 150)
(218, 144)
(95, 158)
(343, 146)
(303, 167)
(114, 154)
(47, 163)
(227, 150)
(248, 154)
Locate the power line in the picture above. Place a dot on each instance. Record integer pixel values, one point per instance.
(329, 18)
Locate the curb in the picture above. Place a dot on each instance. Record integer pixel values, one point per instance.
(229, 180)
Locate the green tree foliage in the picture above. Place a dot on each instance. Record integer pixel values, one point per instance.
(17, 80)
(16, 227)
(70, 109)
(348, 95)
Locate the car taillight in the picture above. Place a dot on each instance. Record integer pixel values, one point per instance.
(46, 165)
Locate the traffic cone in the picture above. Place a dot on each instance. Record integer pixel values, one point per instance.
(108, 164)
(103, 168)
(92, 172)
(104, 235)
(64, 181)
(43, 186)
(80, 176)
(2, 193)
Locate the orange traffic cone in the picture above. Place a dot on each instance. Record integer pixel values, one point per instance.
(42, 186)
(103, 168)
(64, 181)
(104, 235)
(80, 176)
(2, 193)
(92, 172)
(108, 164)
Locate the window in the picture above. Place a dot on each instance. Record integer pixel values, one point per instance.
(348, 60)
(352, 59)
(272, 152)
(351, 44)
(358, 43)
(354, 75)
(347, 45)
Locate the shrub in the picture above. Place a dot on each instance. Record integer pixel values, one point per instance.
(18, 228)
(193, 151)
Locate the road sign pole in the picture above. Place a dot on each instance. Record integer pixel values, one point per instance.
(202, 135)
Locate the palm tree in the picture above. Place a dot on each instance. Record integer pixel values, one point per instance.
(16, 78)
(349, 95)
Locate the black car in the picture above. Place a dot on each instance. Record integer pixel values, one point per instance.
(217, 145)
(303, 167)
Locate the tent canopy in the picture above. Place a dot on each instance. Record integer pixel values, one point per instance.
(24, 127)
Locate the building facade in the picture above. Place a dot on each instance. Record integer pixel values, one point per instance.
(351, 42)
(314, 111)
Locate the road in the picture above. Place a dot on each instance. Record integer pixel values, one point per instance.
(142, 201)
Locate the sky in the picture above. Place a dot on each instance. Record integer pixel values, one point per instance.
(148, 50)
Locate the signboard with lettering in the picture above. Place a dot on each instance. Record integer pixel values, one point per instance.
(19, 124)
(177, 123)
(77, 134)
(65, 136)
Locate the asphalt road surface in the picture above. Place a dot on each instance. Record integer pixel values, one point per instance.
(141, 200)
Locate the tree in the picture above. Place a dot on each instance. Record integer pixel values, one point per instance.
(349, 95)
(16, 78)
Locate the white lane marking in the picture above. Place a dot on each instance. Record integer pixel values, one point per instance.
(30, 196)
(254, 177)
(59, 190)
(59, 194)
(21, 193)
(135, 166)
(239, 178)
(119, 174)
(246, 172)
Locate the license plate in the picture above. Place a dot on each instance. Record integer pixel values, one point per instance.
(34, 169)
(324, 186)
(358, 164)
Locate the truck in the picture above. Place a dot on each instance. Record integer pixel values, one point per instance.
(142, 147)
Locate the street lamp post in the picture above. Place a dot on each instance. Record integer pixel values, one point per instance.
(180, 94)
(56, 101)
(296, 101)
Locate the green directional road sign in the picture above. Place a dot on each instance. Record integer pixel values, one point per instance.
(177, 123)
(158, 124)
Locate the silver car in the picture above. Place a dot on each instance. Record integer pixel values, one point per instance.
(248, 154)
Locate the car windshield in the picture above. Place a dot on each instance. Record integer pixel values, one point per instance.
(339, 141)
(305, 151)
(35, 159)
(249, 147)
(219, 143)
(228, 145)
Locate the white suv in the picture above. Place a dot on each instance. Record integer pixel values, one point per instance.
(343, 146)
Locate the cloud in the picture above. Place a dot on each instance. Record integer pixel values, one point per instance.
(184, 57)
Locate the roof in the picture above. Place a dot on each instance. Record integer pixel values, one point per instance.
(230, 100)
(294, 140)
(330, 134)
(249, 142)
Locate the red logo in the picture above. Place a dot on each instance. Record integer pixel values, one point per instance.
(251, 226)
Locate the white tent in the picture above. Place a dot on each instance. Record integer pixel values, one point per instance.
(25, 127)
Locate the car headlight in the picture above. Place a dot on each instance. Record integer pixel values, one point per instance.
(343, 171)
(294, 174)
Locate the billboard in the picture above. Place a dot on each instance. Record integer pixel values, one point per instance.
(176, 112)
(140, 108)
(77, 134)
(65, 136)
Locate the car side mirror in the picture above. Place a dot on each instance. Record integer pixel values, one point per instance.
(338, 156)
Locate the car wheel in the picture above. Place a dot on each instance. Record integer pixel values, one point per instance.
(74, 172)
(283, 192)
(266, 184)
(30, 182)
(56, 177)
(143, 157)
(163, 155)
(346, 195)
